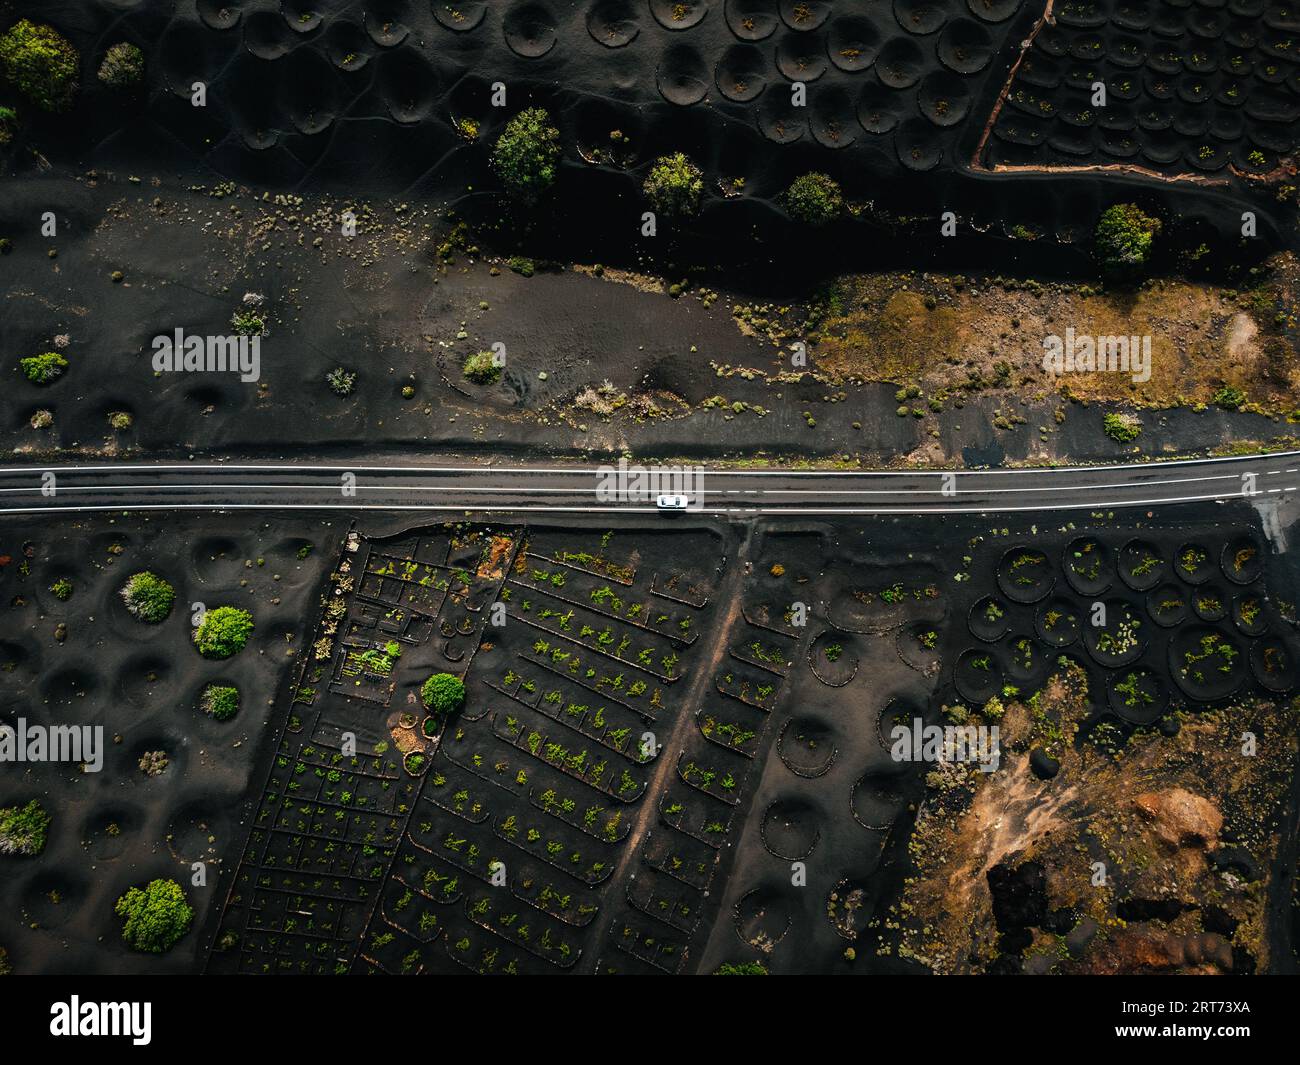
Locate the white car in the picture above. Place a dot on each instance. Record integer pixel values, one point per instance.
(673, 502)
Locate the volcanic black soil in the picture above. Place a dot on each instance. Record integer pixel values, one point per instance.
(897, 102)
(85, 660)
(922, 368)
(676, 748)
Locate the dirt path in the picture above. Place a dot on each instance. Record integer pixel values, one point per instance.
(672, 742)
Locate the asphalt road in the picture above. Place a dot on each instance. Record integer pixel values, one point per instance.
(484, 489)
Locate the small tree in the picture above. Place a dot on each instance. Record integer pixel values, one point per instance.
(814, 199)
(526, 154)
(41, 64)
(148, 597)
(44, 368)
(156, 916)
(223, 632)
(123, 66)
(443, 694)
(1124, 238)
(674, 185)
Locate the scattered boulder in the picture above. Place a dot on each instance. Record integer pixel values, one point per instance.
(1180, 818)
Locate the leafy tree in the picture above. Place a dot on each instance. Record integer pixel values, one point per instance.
(526, 154)
(156, 916)
(41, 64)
(1124, 238)
(814, 199)
(223, 632)
(443, 693)
(123, 66)
(148, 597)
(22, 829)
(221, 701)
(481, 368)
(44, 368)
(674, 185)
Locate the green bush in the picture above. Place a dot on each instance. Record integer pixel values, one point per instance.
(148, 597)
(221, 701)
(62, 589)
(745, 968)
(23, 829)
(41, 64)
(341, 381)
(526, 154)
(1124, 238)
(44, 368)
(481, 369)
(223, 632)
(674, 185)
(443, 693)
(1228, 398)
(1122, 428)
(123, 66)
(156, 916)
(248, 323)
(814, 199)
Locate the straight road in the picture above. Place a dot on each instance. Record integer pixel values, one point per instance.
(490, 489)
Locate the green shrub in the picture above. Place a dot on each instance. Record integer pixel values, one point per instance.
(148, 597)
(1124, 238)
(814, 199)
(41, 64)
(221, 701)
(1228, 398)
(341, 381)
(443, 693)
(223, 632)
(123, 66)
(8, 125)
(248, 323)
(482, 369)
(674, 185)
(1123, 428)
(156, 916)
(526, 154)
(44, 368)
(23, 829)
(62, 589)
(745, 968)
